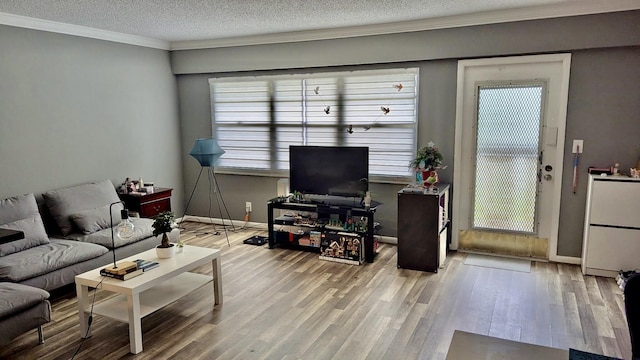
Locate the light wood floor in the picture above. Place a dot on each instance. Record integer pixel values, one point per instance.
(283, 304)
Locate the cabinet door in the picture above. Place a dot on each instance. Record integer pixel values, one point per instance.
(615, 203)
(613, 248)
(153, 208)
(418, 232)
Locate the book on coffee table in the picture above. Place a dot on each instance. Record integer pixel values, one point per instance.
(133, 272)
(146, 264)
(122, 268)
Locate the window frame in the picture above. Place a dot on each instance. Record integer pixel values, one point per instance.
(304, 125)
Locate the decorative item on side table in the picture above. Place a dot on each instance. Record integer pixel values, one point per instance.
(426, 163)
(162, 224)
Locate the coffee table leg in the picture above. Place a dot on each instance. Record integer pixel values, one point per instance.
(135, 326)
(82, 292)
(217, 280)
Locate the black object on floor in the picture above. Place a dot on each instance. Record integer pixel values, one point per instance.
(256, 240)
(583, 355)
(631, 297)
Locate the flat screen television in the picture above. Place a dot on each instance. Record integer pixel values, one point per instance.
(329, 170)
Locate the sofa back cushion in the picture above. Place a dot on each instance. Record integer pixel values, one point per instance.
(62, 203)
(21, 213)
(92, 220)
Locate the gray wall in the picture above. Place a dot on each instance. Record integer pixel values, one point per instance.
(603, 99)
(195, 114)
(604, 111)
(74, 110)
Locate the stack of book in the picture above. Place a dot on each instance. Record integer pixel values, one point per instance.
(145, 265)
(123, 271)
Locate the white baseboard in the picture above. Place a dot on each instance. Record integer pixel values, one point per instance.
(216, 221)
(389, 240)
(567, 260)
(241, 223)
(383, 239)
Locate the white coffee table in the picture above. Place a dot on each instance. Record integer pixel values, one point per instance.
(146, 293)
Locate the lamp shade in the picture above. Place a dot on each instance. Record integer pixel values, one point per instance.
(206, 151)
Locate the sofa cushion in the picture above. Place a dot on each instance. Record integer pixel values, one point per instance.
(62, 203)
(142, 230)
(21, 213)
(15, 298)
(92, 220)
(46, 258)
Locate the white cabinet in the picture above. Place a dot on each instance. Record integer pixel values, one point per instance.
(611, 226)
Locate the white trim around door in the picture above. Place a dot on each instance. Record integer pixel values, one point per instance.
(559, 76)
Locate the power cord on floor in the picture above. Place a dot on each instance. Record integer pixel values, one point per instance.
(90, 318)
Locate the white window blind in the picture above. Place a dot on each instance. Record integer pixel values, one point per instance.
(255, 119)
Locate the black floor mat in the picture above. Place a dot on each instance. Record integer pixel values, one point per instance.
(256, 240)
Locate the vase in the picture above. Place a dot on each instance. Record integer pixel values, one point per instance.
(165, 253)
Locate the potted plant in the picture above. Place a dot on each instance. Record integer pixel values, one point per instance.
(162, 225)
(428, 159)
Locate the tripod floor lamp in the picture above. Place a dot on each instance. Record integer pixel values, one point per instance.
(207, 152)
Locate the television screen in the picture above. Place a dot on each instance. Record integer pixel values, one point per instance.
(329, 170)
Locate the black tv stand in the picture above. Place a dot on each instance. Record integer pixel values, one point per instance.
(341, 209)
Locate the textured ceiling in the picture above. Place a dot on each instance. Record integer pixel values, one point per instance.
(182, 20)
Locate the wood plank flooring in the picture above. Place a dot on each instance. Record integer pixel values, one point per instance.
(285, 304)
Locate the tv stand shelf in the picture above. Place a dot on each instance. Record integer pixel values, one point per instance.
(325, 211)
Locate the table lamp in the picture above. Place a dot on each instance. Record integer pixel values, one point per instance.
(124, 230)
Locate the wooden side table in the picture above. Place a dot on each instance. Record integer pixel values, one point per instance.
(148, 205)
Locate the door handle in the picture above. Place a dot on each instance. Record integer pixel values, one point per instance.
(540, 157)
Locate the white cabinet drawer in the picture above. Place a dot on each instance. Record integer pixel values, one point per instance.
(613, 248)
(615, 203)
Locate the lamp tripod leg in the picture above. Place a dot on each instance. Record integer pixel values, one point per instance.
(195, 186)
(223, 203)
(211, 185)
(218, 198)
(191, 196)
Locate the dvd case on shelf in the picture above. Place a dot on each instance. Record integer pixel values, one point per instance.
(342, 247)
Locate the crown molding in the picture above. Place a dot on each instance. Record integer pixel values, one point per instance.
(571, 8)
(584, 7)
(82, 31)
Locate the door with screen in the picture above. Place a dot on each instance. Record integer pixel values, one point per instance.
(509, 151)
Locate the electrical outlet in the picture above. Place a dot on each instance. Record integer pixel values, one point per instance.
(247, 206)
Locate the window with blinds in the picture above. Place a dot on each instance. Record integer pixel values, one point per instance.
(255, 119)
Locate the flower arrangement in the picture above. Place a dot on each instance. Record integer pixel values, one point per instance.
(427, 158)
(162, 224)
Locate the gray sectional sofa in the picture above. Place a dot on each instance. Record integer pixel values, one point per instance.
(78, 240)
(22, 308)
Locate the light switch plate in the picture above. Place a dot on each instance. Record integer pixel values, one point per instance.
(578, 147)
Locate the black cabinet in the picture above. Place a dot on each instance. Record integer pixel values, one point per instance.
(423, 222)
